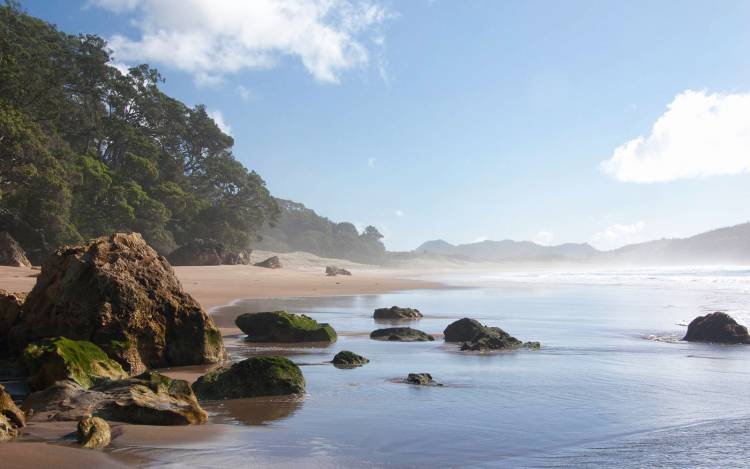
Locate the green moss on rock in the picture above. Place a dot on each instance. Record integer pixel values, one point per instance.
(60, 358)
(282, 326)
(253, 377)
(347, 359)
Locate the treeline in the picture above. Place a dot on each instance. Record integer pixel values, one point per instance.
(301, 229)
(86, 150)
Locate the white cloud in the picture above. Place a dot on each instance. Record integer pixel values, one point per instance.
(618, 234)
(121, 67)
(212, 38)
(544, 237)
(399, 213)
(699, 135)
(218, 117)
(480, 239)
(244, 93)
(371, 162)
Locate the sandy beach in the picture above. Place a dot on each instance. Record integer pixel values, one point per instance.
(48, 444)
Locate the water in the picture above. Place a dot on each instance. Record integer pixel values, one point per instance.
(612, 385)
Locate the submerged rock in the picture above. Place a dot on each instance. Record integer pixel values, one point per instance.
(718, 328)
(118, 293)
(59, 358)
(272, 262)
(253, 377)
(147, 399)
(421, 379)
(284, 327)
(395, 312)
(93, 432)
(11, 253)
(333, 271)
(401, 334)
(474, 336)
(347, 359)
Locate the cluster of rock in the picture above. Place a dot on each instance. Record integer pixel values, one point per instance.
(202, 252)
(333, 271)
(397, 313)
(473, 336)
(272, 262)
(718, 328)
(11, 253)
(284, 327)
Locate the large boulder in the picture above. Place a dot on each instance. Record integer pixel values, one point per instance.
(347, 359)
(272, 262)
(397, 313)
(333, 271)
(11, 253)
(93, 432)
(241, 257)
(58, 358)
(11, 417)
(718, 328)
(474, 336)
(202, 252)
(146, 399)
(118, 293)
(10, 308)
(462, 330)
(284, 327)
(401, 334)
(253, 377)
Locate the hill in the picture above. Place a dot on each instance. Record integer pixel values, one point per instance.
(497, 251)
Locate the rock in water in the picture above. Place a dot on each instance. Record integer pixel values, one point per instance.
(11, 417)
(401, 334)
(333, 271)
(717, 327)
(421, 379)
(395, 312)
(271, 263)
(476, 337)
(463, 330)
(284, 327)
(10, 308)
(147, 399)
(11, 253)
(118, 293)
(93, 432)
(59, 358)
(347, 359)
(253, 377)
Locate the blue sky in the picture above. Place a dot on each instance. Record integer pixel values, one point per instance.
(466, 120)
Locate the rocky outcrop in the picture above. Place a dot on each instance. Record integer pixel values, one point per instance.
(55, 359)
(201, 252)
(347, 359)
(146, 399)
(397, 313)
(11, 253)
(717, 327)
(284, 327)
(118, 293)
(272, 262)
(10, 308)
(401, 334)
(333, 271)
(93, 432)
(253, 377)
(421, 379)
(11, 417)
(474, 336)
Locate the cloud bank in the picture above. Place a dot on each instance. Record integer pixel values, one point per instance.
(212, 38)
(618, 234)
(699, 135)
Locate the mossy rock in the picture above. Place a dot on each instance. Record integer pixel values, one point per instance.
(401, 334)
(60, 358)
(284, 327)
(253, 377)
(93, 432)
(347, 359)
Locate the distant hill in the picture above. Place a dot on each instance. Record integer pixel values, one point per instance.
(730, 245)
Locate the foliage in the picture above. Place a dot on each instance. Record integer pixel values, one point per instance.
(86, 150)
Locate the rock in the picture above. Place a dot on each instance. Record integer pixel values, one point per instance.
(347, 359)
(284, 327)
(118, 293)
(33, 239)
(8, 432)
(400, 334)
(253, 377)
(333, 271)
(421, 379)
(395, 312)
(201, 252)
(241, 257)
(10, 410)
(10, 308)
(93, 432)
(476, 337)
(59, 358)
(146, 399)
(270, 263)
(11, 253)
(717, 327)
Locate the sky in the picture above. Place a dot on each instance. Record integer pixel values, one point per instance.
(578, 121)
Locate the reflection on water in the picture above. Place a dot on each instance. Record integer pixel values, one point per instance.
(254, 411)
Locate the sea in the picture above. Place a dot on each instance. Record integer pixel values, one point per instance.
(613, 384)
